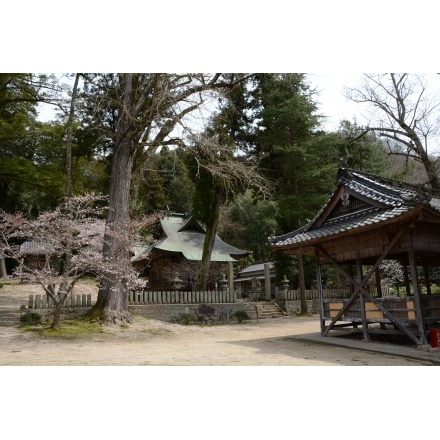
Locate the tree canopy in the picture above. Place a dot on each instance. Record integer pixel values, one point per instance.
(257, 163)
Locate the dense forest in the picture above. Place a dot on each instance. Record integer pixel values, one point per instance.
(243, 152)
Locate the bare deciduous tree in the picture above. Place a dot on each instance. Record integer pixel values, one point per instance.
(149, 108)
(406, 115)
(229, 175)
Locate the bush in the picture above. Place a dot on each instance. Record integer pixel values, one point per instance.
(31, 318)
(188, 318)
(241, 315)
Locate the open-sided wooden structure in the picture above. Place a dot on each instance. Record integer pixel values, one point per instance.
(367, 220)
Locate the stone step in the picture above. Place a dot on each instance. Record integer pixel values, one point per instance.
(265, 310)
(9, 317)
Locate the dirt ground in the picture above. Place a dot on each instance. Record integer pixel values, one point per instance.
(147, 342)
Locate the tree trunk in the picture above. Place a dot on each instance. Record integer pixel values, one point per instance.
(56, 317)
(431, 171)
(3, 273)
(69, 128)
(302, 285)
(208, 245)
(112, 304)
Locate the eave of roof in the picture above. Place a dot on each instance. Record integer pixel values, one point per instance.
(36, 248)
(390, 202)
(189, 242)
(355, 224)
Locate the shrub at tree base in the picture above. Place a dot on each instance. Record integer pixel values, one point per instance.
(31, 318)
(241, 315)
(188, 318)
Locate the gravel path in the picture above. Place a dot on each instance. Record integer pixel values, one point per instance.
(271, 342)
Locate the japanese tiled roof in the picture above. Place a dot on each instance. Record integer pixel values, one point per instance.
(379, 200)
(36, 248)
(255, 271)
(182, 234)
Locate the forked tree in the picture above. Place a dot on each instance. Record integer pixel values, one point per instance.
(149, 107)
(405, 114)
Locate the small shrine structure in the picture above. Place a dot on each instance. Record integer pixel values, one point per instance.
(366, 220)
(179, 240)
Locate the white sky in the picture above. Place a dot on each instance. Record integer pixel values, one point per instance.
(332, 102)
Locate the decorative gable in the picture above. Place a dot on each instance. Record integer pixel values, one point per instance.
(344, 201)
(361, 202)
(348, 204)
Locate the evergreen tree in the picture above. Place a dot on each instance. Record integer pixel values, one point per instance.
(31, 175)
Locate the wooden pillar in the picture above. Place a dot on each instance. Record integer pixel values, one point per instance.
(361, 301)
(406, 280)
(378, 285)
(267, 281)
(427, 280)
(415, 282)
(320, 292)
(231, 281)
(350, 272)
(302, 285)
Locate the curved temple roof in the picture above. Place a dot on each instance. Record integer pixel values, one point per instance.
(186, 236)
(370, 200)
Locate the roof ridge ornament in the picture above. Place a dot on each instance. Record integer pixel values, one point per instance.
(345, 198)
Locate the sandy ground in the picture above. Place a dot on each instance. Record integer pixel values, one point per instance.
(271, 342)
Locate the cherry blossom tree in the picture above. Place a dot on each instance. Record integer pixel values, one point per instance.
(68, 241)
(392, 272)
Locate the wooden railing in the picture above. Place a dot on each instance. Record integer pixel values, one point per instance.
(140, 297)
(178, 297)
(45, 302)
(294, 295)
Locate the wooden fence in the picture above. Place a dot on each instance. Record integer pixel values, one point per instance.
(140, 297)
(178, 297)
(45, 302)
(294, 295)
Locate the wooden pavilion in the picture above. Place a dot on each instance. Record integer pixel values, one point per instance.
(366, 220)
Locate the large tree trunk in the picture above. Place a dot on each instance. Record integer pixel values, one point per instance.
(208, 245)
(112, 304)
(69, 128)
(3, 273)
(56, 317)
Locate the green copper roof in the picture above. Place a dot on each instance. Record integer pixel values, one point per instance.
(186, 236)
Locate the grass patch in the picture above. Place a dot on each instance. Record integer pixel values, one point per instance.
(158, 331)
(79, 328)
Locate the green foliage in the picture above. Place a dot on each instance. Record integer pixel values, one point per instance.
(72, 329)
(247, 222)
(164, 185)
(31, 160)
(30, 318)
(158, 331)
(206, 198)
(188, 318)
(285, 265)
(241, 315)
(363, 152)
